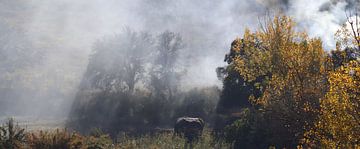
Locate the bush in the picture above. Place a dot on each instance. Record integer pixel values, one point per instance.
(140, 113)
(11, 135)
(59, 139)
(248, 131)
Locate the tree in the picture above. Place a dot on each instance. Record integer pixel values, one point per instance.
(236, 90)
(130, 83)
(339, 58)
(116, 66)
(348, 36)
(339, 121)
(166, 73)
(118, 62)
(249, 131)
(288, 67)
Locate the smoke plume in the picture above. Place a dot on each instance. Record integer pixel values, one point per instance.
(64, 31)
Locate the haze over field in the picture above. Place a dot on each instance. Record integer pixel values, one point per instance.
(167, 74)
(58, 37)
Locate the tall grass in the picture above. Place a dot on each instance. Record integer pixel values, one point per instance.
(14, 137)
(168, 141)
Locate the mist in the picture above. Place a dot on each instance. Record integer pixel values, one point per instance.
(59, 37)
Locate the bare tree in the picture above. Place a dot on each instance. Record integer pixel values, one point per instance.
(354, 22)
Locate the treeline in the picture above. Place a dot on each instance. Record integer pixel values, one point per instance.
(282, 89)
(133, 84)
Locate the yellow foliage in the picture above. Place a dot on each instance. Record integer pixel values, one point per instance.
(295, 66)
(293, 60)
(339, 121)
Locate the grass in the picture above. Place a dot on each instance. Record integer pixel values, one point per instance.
(168, 141)
(12, 136)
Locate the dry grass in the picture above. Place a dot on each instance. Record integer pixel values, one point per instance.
(168, 141)
(63, 139)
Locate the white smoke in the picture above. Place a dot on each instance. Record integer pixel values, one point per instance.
(318, 23)
(67, 29)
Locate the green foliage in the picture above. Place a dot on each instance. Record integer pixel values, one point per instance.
(249, 131)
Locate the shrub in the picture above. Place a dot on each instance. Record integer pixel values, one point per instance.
(59, 139)
(11, 135)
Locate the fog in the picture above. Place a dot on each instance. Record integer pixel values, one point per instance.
(59, 36)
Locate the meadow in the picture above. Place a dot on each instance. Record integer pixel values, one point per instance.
(13, 136)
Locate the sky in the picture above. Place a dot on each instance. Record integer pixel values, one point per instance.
(67, 30)
(208, 27)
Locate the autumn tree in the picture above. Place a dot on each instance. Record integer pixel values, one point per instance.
(338, 124)
(292, 67)
(339, 57)
(339, 121)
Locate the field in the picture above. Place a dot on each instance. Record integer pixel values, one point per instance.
(15, 135)
(256, 74)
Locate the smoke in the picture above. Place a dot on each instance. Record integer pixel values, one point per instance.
(66, 31)
(280, 5)
(320, 19)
